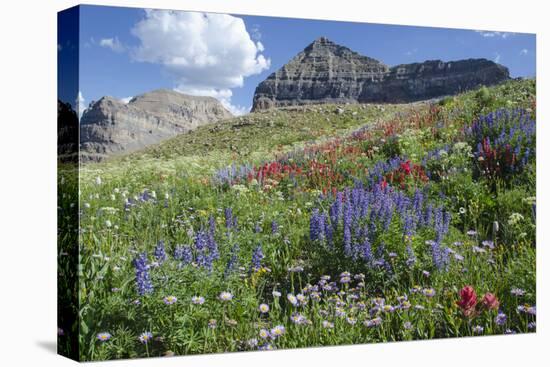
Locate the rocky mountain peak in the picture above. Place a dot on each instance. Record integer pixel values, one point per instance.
(110, 126)
(325, 72)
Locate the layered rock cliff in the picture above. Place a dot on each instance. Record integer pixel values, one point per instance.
(110, 126)
(325, 72)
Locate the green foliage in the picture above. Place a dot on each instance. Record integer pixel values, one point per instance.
(391, 147)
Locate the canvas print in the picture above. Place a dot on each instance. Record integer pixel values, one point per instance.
(234, 183)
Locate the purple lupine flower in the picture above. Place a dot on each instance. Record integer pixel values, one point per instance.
(428, 215)
(233, 261)
(228, 217)
(274, 227)
(257, 257)
(418, 203)
(446, 221)
(201, 249)
(315, 226)
(212, 225)
(436, 253)
(160, 253)
(212, 246)
(366, 250)
(438, 224)
(336, 210)
(329, 235)
(347, 230)
(143, 280)
(184, 254)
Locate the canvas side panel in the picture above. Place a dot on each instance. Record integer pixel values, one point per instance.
(68, 178)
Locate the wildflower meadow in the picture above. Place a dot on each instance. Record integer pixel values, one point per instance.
(307, 227)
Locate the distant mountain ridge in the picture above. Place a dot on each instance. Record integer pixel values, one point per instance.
(325, 72)
(110, 126)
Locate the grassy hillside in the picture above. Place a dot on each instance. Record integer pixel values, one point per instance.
(313, 226)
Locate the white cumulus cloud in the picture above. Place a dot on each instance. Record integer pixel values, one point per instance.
(80, 106)
(497, 57)
(524, 51)
(112, 43)
(206, 54)
(222, 95)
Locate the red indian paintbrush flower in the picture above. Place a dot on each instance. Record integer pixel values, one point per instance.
(490, 301)
(468, 300)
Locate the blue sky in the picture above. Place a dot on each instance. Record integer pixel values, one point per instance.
(127, 51)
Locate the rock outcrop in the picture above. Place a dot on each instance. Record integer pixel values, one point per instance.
(110, 126)
(325, 72)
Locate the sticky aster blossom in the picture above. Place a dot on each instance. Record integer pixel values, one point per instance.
(428, 292)
(345, 280)
(267, 346)
(373, 322)
(292, 299)
(225, 296)
(103, 336)
(297, 318)
(169, 300)
(388, 308)
(197, 300)
(263, 308)
(278, 331)
(518, 292)
(145, 337)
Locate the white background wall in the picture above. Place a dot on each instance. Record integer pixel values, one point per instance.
(28, 184)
